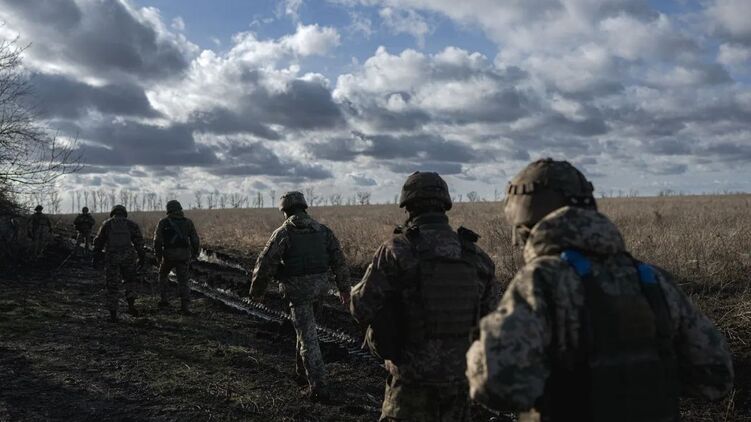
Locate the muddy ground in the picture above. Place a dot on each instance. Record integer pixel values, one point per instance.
(60, 359)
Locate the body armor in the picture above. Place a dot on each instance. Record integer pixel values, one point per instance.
(119, 238)
(625, 368)
(306, 254)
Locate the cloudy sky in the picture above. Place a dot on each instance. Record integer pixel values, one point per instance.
(353, 95)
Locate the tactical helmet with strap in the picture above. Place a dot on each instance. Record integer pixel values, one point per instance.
(425, 186)
(293, 199)
(85, 210)
(541, 188)
(119, 210)
(174, 206)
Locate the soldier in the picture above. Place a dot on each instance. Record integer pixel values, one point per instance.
(176, 243)
(585, 331)
(40, 230)
(422, 297)
(299, 254)
(83, 223)
(123, 257)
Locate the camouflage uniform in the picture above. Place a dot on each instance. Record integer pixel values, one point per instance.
(83, 223)
(176, 242)
(40, 230)
(427, 384)
(540, 327)
(302, 291)
(123, 244)
(426, 375)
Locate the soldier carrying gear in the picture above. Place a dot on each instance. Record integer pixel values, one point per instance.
(176, 243)
(84, 223)
(299, 255)
(40, 230)
(585, 331)
(421, 298)
(120, 244)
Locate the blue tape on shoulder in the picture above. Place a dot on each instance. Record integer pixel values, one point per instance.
(647, 274)
(578, 262)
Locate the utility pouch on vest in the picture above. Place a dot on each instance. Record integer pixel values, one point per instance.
(175, 237)
(385, 334)
(307, 254)
(629, 373)
(119, 236)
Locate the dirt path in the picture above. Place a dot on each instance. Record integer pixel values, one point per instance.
(61, 360)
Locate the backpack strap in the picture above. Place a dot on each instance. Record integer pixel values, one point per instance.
(178, 233)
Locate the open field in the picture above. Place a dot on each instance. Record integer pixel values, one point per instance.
(704, 241)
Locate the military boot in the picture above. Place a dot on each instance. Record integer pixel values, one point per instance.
(132, 307)
(185, 308)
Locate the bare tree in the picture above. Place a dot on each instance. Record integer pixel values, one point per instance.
(335, 199)
(211, 200)
(223, 198)
(272, 196)
(363, 198)
(473, 196)
(78, 200)
(310, 196)
(258, 200)
(198, 199)
(54, 200)
(31, 158)
(72, 202)
(102, 199)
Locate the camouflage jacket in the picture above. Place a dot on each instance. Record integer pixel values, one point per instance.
(394, 266)
(136, 239)
(84, 222)
(37, 221)
(300, 288)
(188, 230)
(509, 365)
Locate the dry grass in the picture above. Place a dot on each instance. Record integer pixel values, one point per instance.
(705, 241)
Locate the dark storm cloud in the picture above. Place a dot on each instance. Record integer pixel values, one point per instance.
(255, 159)
(139, 144)
(304, 105)
(384, 119)
(393, 147)
(662, 169)
(58, 96)
(104, 37)
(728, 152)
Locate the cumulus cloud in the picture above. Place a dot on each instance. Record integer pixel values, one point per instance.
(97, 40)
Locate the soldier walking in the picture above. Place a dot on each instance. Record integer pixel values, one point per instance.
(585, 331)
(83, 223)
(299, 255)
(40, 230)
(120, 244)
(176, 243)
(421, 297)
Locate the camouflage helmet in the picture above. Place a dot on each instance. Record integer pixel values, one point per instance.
(541, 188)
(38, 208)
(85, 210)
(291, 200)
(118, 210)
(174, 206)
(425, 186)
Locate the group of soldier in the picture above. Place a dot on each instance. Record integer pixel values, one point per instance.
(584, 331)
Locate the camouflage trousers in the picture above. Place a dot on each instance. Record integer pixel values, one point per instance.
(119, 270)
(308, 360)
(182, 270)
(414, 402)
(84, 236)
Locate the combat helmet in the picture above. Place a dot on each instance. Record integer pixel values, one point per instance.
(38, 208)
(541, 188)
(85, 210)
(119, 210)
(174, 206)
(293, 199)
(427, 186)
